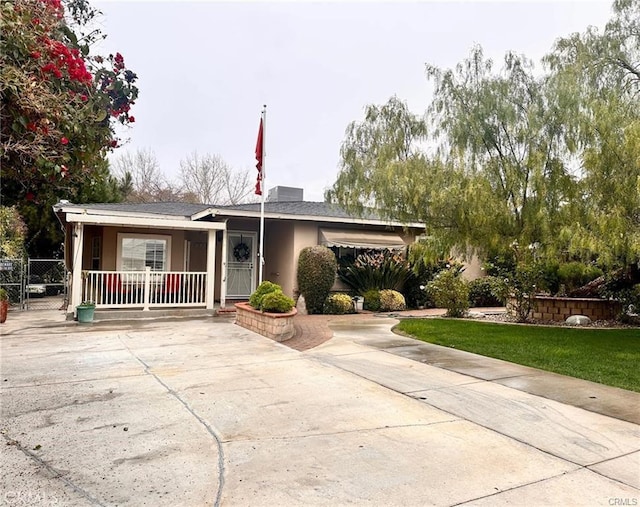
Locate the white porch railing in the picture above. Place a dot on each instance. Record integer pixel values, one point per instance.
(144, 289)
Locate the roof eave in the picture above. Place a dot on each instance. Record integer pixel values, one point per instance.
(85, 210)
(314, 218)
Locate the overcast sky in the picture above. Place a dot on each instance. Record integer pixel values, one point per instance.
(206, 68)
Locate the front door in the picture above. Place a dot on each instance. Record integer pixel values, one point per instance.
(241, 264)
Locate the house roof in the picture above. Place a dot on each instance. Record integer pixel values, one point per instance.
(177, 209)
(298, 208)
(292, 210)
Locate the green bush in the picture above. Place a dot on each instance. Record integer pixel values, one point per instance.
(619, 285)
(372, 300)
(423, 269)
(521, 287)
(317, 268)
(550, 281)
(391, 301)
(277, 302)
(338, 304)
(574, 275)
(450, 291)
(485, 291)
(266, 287)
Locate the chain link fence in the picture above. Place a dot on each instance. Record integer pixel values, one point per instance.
(12, 274)
(35, 284)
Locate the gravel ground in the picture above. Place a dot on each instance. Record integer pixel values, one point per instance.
(503, 317)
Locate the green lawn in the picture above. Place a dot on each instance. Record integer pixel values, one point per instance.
(607, 356)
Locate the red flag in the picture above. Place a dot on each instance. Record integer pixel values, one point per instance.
(259, 159)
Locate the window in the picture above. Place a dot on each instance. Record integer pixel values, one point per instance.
(346, 254)
(136, 253)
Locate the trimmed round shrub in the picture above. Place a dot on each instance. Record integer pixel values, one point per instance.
(338, 304)
(317, 267)
(485, 291)
(277, 302)
(450, 291)
(391, 301)
(372, 300)
(266, 287)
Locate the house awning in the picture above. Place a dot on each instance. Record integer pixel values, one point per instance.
(361, 239)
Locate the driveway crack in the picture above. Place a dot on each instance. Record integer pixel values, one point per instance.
(208, 428)
(55, 473)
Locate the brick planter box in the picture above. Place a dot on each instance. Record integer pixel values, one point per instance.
(558, 309)
(277, 326)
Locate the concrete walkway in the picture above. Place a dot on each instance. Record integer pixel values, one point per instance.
(314, 330)
(202, 412)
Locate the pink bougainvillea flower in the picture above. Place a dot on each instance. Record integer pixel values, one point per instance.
(84, 98)
(64, 141)
(132, 119)
(36, 54)
(29, 196)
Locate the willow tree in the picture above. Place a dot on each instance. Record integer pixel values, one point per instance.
(384, 167)
(505, 130)
(549, 161)
(382, 151)
(497, 176)
(600, 71)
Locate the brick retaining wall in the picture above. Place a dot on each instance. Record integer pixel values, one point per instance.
(558, 309)
(277, 326)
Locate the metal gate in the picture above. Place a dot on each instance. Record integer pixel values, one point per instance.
(37, 284)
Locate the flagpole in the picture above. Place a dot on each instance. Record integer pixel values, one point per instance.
(263, 190)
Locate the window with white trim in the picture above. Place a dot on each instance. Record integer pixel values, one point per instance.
(137, 252)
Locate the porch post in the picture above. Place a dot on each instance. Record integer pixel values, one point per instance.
(223, 274)
(147, 288)
(211, 268)
(76, 263)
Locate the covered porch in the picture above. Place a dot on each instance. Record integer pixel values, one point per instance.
(137, 261)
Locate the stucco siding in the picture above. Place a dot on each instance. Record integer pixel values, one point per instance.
(278, 252)
(109, 247)
(472, 269)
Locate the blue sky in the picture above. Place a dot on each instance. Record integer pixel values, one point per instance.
(206, 68)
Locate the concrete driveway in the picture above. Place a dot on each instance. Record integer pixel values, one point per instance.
(202, 412)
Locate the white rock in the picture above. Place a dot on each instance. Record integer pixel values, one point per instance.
(578, 320)
(301, 306)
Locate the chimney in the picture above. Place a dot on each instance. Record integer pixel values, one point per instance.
(285, 194)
